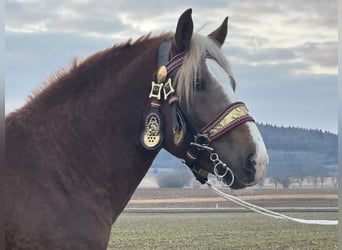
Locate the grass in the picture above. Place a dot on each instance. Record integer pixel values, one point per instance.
(220, 231)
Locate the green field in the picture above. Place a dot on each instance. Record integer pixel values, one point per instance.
(236, 230)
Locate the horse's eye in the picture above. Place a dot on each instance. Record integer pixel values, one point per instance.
(199, 85)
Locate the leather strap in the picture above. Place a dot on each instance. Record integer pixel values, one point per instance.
(164, 53)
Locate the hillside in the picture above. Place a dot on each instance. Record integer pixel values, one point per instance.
(293, 152)
(298, 139)
(300, 152)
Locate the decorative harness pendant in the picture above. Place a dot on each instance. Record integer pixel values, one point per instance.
(152, 136)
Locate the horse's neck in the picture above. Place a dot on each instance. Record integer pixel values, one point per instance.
(117, 123)
(94, 136)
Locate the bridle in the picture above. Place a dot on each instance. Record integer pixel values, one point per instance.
(233, 116)
(162, 91)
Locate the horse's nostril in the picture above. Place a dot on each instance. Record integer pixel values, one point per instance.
(252, 162)
(250, 165)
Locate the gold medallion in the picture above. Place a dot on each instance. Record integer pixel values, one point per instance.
(152, 135)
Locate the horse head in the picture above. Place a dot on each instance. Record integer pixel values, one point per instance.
(204, 121)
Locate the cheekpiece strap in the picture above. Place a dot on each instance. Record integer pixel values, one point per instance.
(164, 53)
(163, 57)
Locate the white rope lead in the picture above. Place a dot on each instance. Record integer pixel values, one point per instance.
(267, 212)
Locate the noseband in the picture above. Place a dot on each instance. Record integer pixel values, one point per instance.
(163, 91)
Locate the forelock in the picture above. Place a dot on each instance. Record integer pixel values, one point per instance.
(187, 73)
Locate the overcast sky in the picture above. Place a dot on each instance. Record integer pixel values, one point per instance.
(283, 53)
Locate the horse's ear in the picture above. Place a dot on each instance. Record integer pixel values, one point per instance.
(184, 31)
(219, 35)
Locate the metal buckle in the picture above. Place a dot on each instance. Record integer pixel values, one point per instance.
(202, 139)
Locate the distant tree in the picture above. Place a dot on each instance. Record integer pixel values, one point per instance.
(176, 178)
(274, 181)
(319, 174)
(261, 184)
(299, 180)
(285, 181)
(322, 179)
(334, 180)
(313, 180)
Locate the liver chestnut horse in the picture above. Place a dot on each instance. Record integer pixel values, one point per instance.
(77, 150)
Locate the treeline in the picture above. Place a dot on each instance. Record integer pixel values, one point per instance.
(298, 139)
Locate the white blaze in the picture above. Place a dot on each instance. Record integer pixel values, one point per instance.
(222, 77)
(260, 157)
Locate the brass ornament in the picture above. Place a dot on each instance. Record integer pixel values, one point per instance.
(152, 136)
(161, 74)
(156, 90)
(179, 133)
(178, 137)
(168, 89)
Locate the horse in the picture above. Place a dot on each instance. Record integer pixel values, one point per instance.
(82, 143)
